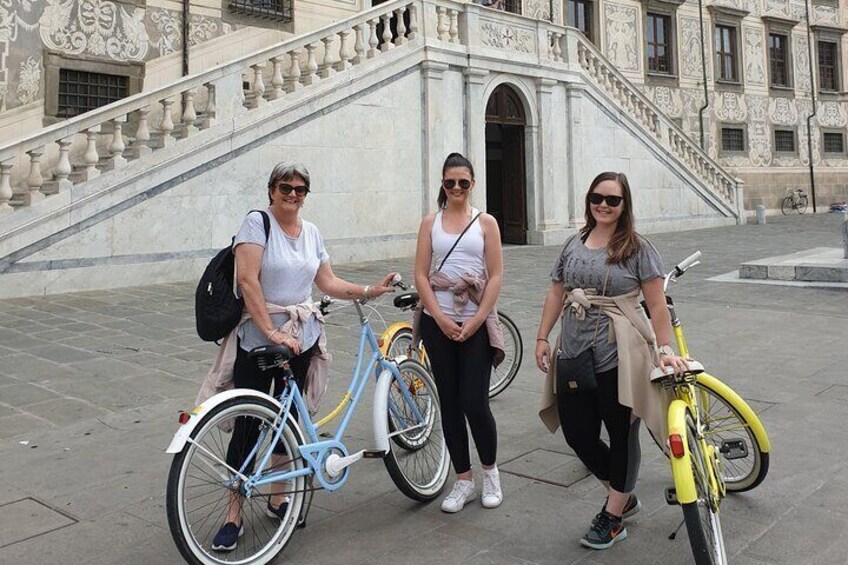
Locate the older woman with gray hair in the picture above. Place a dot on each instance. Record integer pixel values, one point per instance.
(275, 277)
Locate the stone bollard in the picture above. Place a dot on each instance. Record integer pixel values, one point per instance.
(845, 235)
(761, 214)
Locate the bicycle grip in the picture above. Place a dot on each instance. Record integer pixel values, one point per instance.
(686, 263)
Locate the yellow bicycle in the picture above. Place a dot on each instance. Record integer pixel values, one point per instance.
(716, 443)
(396, 341)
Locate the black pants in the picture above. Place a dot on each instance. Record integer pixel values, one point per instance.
(462, 372)
(580, 416)
(246, 374)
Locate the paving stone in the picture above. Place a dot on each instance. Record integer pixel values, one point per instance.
(20, 341)
(65, 410)
(108, 369)
(6, 410)
(61, 353)
(23, 394)
(27, 519)
(21, 426)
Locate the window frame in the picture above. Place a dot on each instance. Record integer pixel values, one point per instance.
(593, 21)
(664, 8)
(667, 44)
(834, 155)
(721, 55)
(780, 26)
(829, 34)
(781, 153)
(732, 152)
(724, 16)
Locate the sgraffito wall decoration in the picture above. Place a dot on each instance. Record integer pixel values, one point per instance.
(622, 47)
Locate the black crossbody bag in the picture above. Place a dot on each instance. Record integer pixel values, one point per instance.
(577, 374)
(455, 243)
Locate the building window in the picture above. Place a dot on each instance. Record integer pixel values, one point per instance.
(784, 141)
(833, 142)
(81, 91)
(277, 10)
(828, 78)
(659, 43)
(579, 15)
(726, 54)
(778, 46)
(732, 139)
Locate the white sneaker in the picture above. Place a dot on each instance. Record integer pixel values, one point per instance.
(492, 494)
(462, 492)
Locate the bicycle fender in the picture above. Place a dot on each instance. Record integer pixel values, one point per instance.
(197, 414)
(381, 410)
(739, 404)
(390, 332)
(681, 468)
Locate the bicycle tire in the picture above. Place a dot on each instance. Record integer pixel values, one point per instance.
(193, 533)
(419, 474)
(416, 439)
(802, 204)
(702, 520)
(399, 345)
(503, 375)
(786, 205)
(722, 422)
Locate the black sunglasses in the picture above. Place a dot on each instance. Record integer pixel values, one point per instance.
(464, 184)
(612, 201)
(287, 189)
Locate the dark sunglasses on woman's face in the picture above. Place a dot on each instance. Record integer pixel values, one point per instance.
(612, 201)
(464, 184)
(299, 190)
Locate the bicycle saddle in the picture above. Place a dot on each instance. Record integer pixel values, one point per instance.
(659, 374)
(406, 300)
(270, 356)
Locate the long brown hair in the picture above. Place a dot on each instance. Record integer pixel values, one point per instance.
(624, 242)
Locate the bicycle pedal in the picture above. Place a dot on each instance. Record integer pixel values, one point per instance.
(671, 496)
(374, 454)
(734, 449)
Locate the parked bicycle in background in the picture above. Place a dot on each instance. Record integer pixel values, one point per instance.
(795, 200)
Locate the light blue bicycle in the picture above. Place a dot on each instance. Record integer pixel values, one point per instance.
(202, 486)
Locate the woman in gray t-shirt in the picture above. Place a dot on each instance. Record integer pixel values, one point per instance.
(279, 269)
(607, 257)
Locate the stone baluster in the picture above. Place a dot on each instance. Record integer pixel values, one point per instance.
(210, 113)
(30, 190)
(277, 77)
(344, 51)
(141, 145)
(166, 126)
(372, 38)
(413, 22)
(62, 170)
(116, 148)
(91, 157)
(387, 33)
(401, 25)
(359, 45)
(558, 47)
(454, 26)
(442, 26)
(311, 65)
(257, 92)
(5, 184)
(293, 77)
(327, 69)
(189, 113)
(582, 58)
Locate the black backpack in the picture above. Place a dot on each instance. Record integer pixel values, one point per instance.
(216, 309)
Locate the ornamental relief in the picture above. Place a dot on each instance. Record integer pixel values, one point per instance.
(805, 107)
(507, 37)
(690, 51)
(777, 7)
(169, 36)
(18, 19)
(783, 112)
(730, 107)
(29, 80)
(802, 67)
(832, 114)
(755, 73)
(825, 15)
(668, 100)
(759, 131)
(94, 27)
(622, 48)
(538, 9)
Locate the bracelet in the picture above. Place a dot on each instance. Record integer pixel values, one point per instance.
(542, 339)
(274, 331)
(366, 292)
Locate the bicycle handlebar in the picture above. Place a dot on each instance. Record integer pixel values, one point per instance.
(681, 267)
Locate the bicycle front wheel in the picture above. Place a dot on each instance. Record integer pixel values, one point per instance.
(802, 205)
(505, 373)
(786, 205)
(418, 463)
(744, 462)
(202, 487)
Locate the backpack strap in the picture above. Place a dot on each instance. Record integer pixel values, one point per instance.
(266, 221)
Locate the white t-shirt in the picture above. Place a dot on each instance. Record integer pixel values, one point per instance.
(288, 270)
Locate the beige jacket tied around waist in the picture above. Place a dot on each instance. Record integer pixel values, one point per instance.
(633, 335)
(220, 376)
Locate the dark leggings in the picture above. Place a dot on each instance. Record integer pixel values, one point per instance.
(580, 416)
(462, 371)
(246, 374)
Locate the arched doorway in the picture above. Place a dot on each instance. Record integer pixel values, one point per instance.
(506, 195)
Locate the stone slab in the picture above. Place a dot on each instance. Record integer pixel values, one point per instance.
(28, 518)
(820, 264)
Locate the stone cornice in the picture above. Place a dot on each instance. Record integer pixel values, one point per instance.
(780, 21)
(831, 30)
(727, 11)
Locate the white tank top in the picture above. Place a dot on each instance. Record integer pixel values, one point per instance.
(467, 257)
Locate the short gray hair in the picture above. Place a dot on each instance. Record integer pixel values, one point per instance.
(284, 171)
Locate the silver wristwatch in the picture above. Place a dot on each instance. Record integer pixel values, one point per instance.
(665, 350)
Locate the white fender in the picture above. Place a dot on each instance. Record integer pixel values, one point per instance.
(381, 410)
(197, 414)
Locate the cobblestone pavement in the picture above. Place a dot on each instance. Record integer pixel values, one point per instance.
(90, 386)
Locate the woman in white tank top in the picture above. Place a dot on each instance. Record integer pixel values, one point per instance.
(458, 273)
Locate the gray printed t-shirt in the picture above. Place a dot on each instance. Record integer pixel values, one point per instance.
(580, 267)
(288, 270)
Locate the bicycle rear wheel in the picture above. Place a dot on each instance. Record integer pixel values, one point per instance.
(505, 373)
(786, 205)
(802, 204)
(401, 344)
(702, 516)
(201, 487)
(744, 463)
(419, 462)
